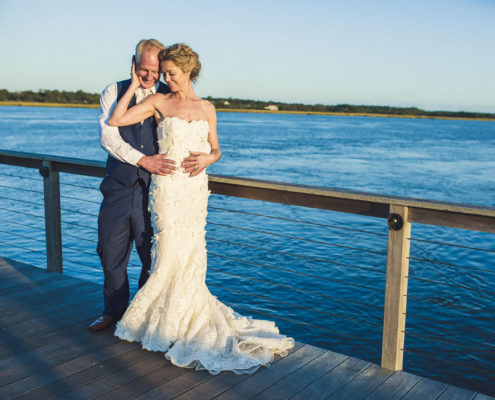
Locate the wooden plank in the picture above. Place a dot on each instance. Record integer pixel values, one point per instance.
(394, 318)
(78, 297)
(52, 298)
(175, 387)
(11, 286)
(223, 381)
(333, 380)
(85, 376)
(70, 351)
(394, 387)
(425, 389)
(279, 194)
(28, 354)
(214, 386)
(362, 384)
(72, 327)
(150, 362)
(40, 320)
(146, 383)
(299, 379)
(24, 330)
(12, 277)
(452, 219)
(456, 393)
(480, 396)
(268, 376)
(48, 375)
(49, 290)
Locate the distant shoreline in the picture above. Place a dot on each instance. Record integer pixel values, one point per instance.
(340, 114)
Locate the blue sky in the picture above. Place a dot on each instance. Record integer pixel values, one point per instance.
(431, 54)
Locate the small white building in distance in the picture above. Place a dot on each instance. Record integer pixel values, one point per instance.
(271, 107)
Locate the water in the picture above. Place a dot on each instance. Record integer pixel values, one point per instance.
(339, 279)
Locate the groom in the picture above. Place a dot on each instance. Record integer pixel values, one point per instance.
(124, 216)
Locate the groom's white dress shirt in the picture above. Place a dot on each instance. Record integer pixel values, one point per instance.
(110, 138)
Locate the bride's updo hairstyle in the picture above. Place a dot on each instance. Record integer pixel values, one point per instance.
(184, 57)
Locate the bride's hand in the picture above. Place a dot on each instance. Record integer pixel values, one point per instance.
(134, 78)
(196, 162)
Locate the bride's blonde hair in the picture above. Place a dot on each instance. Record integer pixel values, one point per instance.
(184, 57)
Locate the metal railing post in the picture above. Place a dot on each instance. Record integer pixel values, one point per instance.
(51, 183)
(394, 318)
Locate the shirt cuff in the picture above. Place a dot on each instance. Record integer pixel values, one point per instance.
(134, 156)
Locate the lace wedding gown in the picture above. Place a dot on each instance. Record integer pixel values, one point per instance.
(174, 312)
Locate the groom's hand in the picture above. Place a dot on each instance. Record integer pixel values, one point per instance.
(157, 164)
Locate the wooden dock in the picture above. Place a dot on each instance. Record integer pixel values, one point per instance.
(47, 352)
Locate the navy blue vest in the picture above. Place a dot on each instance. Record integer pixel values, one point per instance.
(142, 137)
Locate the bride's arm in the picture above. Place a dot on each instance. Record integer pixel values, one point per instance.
(212, 134)
(122, 115)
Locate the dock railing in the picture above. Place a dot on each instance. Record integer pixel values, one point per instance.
(398, 212)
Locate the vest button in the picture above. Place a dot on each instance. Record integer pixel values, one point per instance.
(142, 146)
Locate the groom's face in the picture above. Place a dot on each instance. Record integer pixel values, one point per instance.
(147, 69)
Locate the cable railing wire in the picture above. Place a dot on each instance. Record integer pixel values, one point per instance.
(22, 212)
(451, 245)
(22, 201)
(450, 362)
(77, 212)
(450, 265)
(448, 323)
(301, 323)
(451, 285)
(80, 186)
(22, 236)
(449, 305)
(99, 268)
(25, 225)
(298, 238)
(80, 238)
(22, 189)
(78, 199)
(296, 255)
(79, 225)
(298, 221)
(297, 289)
(23, 177)
(296, 272)
(23, 248)
(296, 305)
(79, 250)
(445, 341)
(82, 263)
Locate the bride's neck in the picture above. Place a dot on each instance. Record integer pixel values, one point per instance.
(186, 93)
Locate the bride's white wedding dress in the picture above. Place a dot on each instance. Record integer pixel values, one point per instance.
(174, 312)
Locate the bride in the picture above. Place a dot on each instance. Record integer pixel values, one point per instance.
(174, 312)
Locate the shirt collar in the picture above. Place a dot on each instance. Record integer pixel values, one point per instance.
(145, 92)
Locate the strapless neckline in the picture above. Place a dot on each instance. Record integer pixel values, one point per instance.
(183, 120)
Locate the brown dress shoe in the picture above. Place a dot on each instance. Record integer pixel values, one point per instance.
(103, 322)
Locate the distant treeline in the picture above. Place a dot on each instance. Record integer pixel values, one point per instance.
(342, 108)
(80, 97)
(51, 96)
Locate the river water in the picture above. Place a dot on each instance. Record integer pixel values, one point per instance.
(321, 279)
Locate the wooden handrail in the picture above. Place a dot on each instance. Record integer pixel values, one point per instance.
(455, 215)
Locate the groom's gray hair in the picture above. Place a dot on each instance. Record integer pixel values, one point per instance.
(147, 43)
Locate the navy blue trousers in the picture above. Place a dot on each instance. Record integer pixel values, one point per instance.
(123, 220)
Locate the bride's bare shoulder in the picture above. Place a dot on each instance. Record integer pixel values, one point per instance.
(162, 96)
(207, 106)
